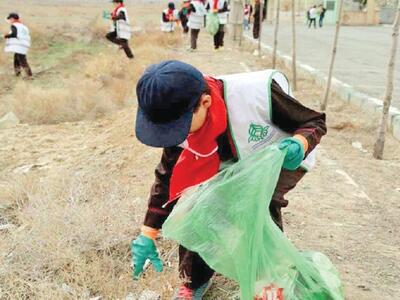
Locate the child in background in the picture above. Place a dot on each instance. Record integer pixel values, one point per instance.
(322, 11)
(257, 23)
(220, 7)
(246, 16)
(184, 15)
(313, 14)
(18, 41)
(196, 21)
(168, 18)
(121, 31)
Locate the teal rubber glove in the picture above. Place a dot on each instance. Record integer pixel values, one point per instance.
(295, 153)
(106, 15)
(143, 248)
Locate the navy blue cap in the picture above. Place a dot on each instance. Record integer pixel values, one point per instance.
(13, 15)
(167, 93)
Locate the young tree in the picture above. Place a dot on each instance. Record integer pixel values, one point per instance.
(380, 141)
(328, 84)
(278, 4)
(242, 3)
(260, 30)
(294, 71)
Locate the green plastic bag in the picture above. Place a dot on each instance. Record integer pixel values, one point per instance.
(212, 23)
(226, 220)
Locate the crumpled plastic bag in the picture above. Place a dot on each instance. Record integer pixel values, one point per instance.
(226, 220)
(212, 23)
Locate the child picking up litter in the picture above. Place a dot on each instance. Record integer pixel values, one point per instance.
(202, 121)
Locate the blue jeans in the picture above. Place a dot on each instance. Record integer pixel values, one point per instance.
(246, 24)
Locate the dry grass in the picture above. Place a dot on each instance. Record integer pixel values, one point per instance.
(2, 58)
(105, 83)
(57, 243)
(80, 75)
(71, 238)
(70, 233)
(84, 96)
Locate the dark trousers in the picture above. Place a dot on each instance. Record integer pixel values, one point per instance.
(20, 62)
(194, 270)
(256, 28)
(194, 34)
(321, 21)
(185, 26)
(313, 20)
(219, 37)
(112, 37)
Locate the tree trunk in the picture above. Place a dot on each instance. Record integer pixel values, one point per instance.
(328, 84)
(241, 27)
(236, 19)
(260, 29)
(380, 141)
(294, 71)
(278, 4)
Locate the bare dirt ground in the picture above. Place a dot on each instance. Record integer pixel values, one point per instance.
(73, 196)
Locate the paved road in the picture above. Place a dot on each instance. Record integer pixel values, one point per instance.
(361, 59)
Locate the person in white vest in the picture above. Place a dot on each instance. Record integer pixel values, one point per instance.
(219, 7)
(120, 33)
(169, 17)
(196, 21)
(186, 113)
(18, 41)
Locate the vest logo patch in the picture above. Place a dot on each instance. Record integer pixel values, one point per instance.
(257, 132)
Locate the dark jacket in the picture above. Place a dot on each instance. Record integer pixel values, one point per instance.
(257, 12)
(287, 113)
(12, 34)
(120, 16)
(322, 13)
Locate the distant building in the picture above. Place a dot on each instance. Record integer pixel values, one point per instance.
(355, 12)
